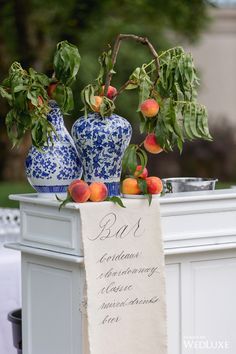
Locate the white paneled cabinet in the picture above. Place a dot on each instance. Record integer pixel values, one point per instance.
(201, 292)
(199, 233)
(52, 315)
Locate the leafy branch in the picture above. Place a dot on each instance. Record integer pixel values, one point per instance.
(119, 39)
(134, 155)
(28, 93)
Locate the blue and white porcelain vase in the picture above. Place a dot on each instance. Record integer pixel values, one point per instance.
(51, 170)
(101, 143)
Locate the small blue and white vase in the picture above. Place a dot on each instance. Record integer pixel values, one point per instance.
(101, 143)
(51, 170)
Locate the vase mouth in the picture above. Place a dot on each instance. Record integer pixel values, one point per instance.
(53, 104)
(98, 115)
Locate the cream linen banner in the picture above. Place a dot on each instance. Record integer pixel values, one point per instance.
(125, 277)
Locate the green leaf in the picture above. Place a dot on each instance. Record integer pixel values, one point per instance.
(131, 86)
(116, 200)
(142, 125)
(142, 156)
(135, 76)
(142, 183)
(66, 62)
(5, 94)
(68, 101)
(67, 200)
(20, 88)
(144, 92)
(11, 126)
(202, 123)
(107, 107)
(88, 99)
(129, 161)
(149, 196)
(106, 66)
(132, 159)
(160, 134)
(187, 122)
(125, 159)
(193, 122)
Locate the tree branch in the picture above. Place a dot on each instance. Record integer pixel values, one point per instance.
(122, 88)
(142, 40)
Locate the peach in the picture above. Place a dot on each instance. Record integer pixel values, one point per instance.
(130, 186)
(32, 106)
(112, 91)
(97, 105)
(79, 192)
(76, 181)
(151, 144)
(40, 100)
(98, 191)
(51, 88)
(137, 173)
(154, 185)
(149, 108)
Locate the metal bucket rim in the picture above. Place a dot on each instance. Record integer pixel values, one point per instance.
(189, 179)
(15, 316)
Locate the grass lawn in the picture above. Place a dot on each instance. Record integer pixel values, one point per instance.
(7, 188)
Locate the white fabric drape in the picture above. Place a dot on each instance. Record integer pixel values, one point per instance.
(124, 265)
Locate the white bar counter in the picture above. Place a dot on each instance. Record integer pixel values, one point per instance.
(199, 231)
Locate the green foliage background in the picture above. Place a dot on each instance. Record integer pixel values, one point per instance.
(30, 29)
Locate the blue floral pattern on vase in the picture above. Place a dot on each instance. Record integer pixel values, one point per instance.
(101, 143)
(57, 165)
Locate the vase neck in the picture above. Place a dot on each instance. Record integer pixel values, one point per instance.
(55, 116)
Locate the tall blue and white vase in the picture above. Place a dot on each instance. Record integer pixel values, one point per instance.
(101, 143)
(51, 170)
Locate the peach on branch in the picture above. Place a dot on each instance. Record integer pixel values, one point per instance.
(130, 186)
(149, 108)
(51, 88)
(154, 185)
(144, 173)
(98, 191)
(112, 91)
(97, 105)
(39, 103)
(151, 144)
(79, 191)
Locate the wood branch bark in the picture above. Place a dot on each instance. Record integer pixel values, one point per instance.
(115, 51)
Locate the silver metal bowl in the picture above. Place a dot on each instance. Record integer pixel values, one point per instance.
(188, 184)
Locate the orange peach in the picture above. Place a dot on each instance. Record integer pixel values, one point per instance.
(79, 192)
(137, 173)
(130, 186)
(149, 108)
(98, 192)
(112, 91)
(154, 185)
(151, 144)
(97, 105)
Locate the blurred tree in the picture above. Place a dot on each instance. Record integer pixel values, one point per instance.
(30, 29)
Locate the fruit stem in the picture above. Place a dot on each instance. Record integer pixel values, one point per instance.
(141, 144)
(142, 40)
